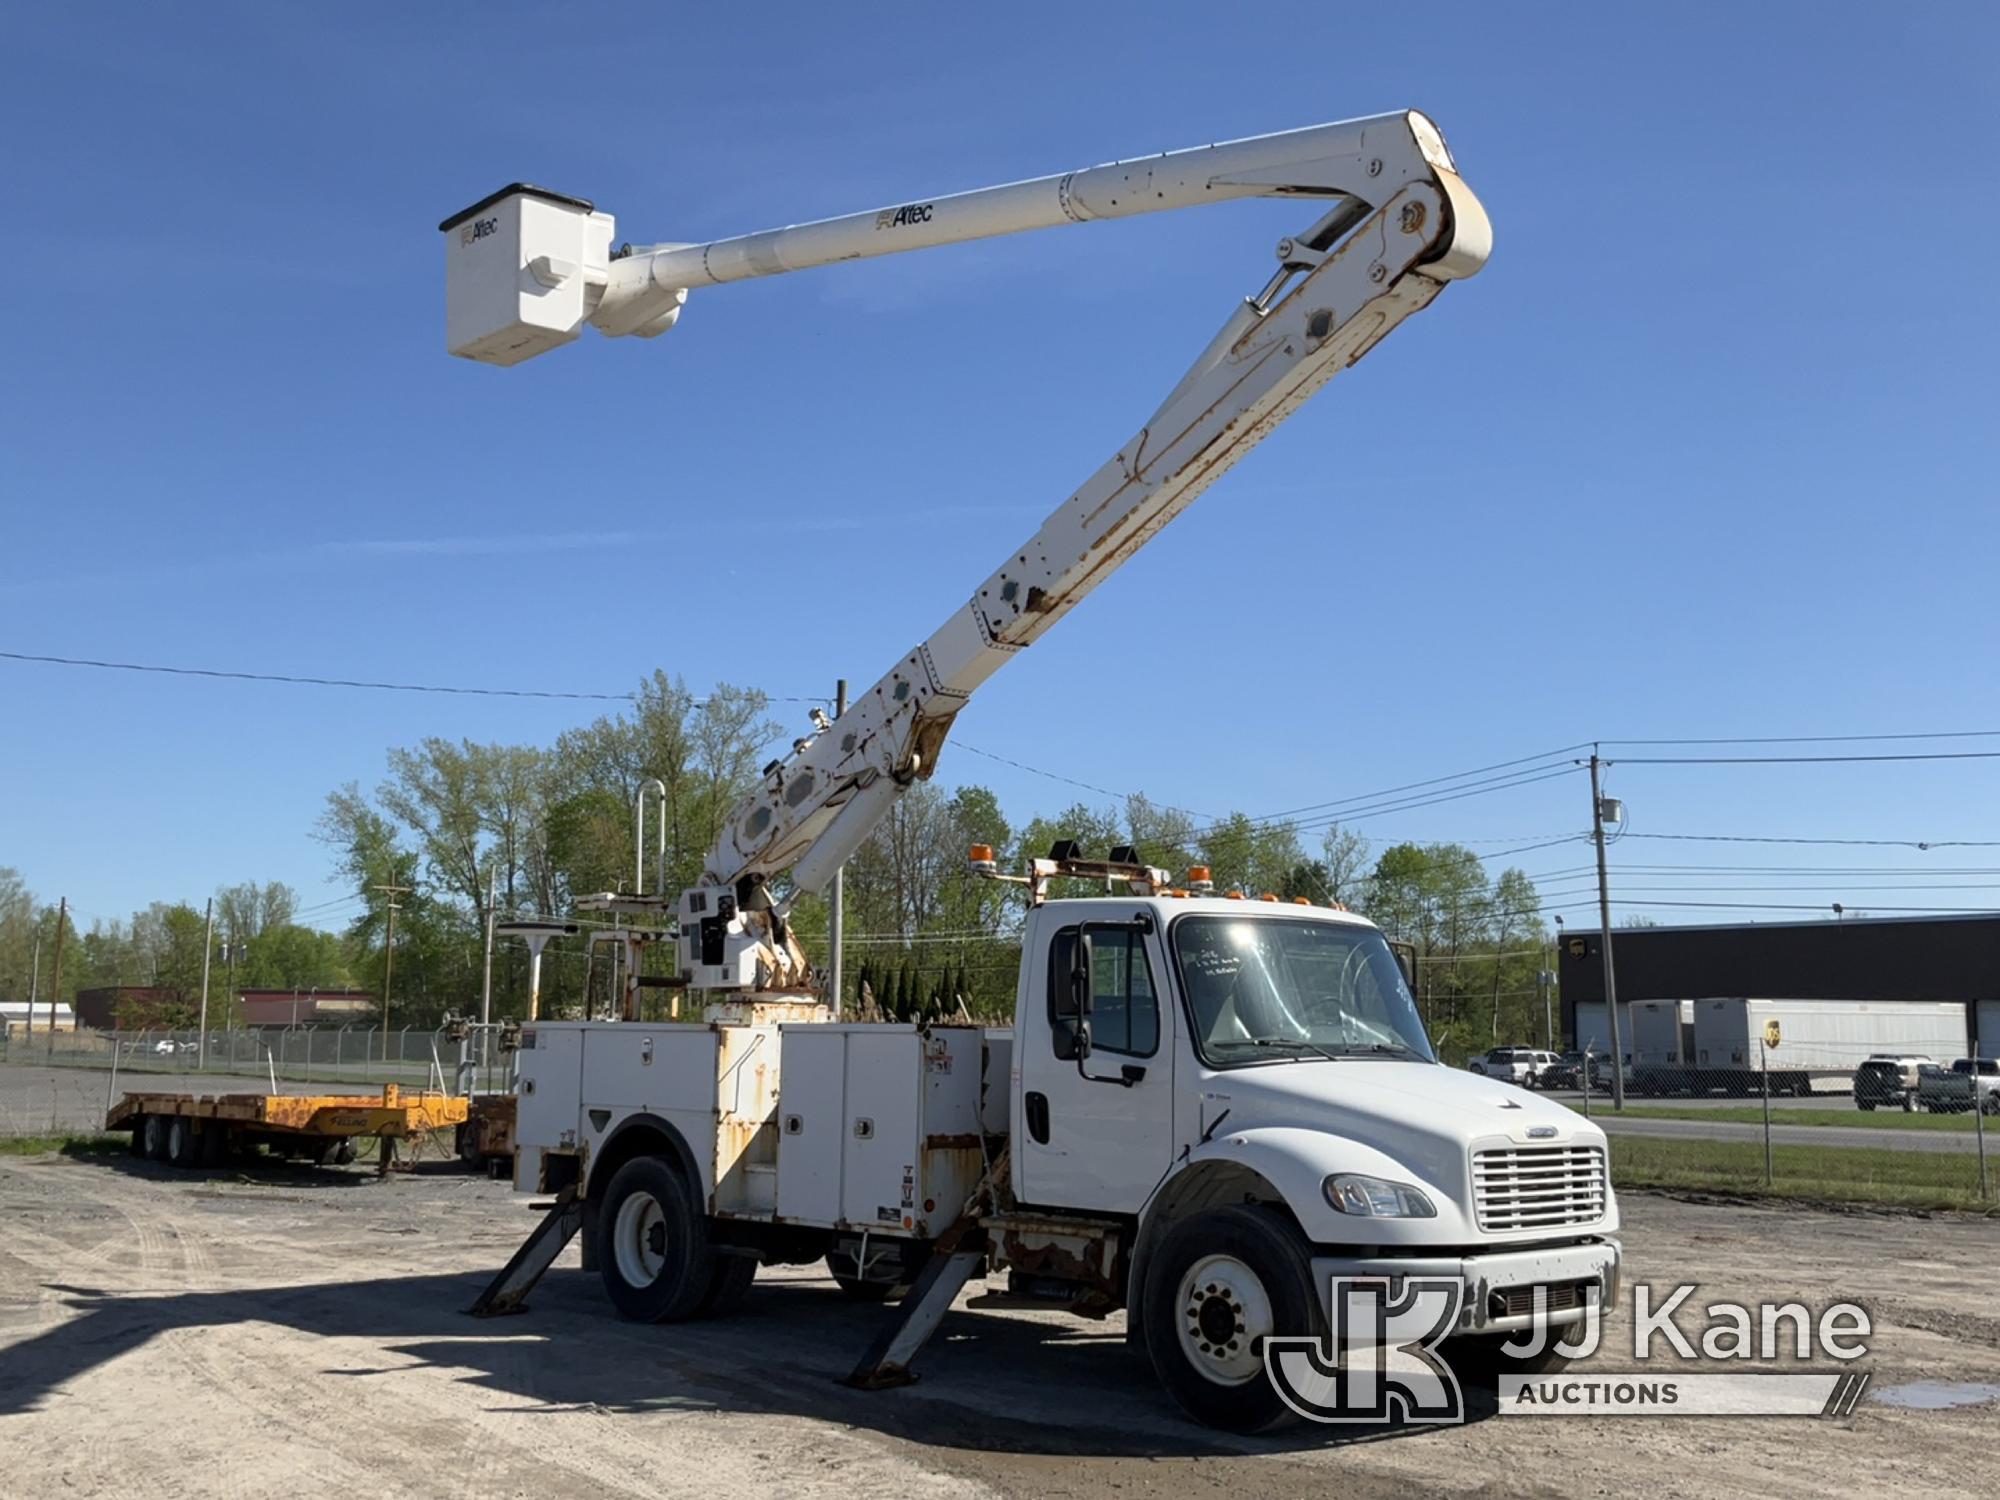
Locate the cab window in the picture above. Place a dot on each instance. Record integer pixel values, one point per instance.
(1124, 1007)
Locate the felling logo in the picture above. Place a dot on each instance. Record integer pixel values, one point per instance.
(909, 213)
(1386, 1358)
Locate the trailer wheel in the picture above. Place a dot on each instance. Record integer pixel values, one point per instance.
(728, 1284)
(156, 1137)
(654, 1254)
(183, 1143)
(139, 1135)
(1220, 1283)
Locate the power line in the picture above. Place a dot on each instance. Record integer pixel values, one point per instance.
(1796, 760)
(1748, 838)
(301, 680)
(1821, 739)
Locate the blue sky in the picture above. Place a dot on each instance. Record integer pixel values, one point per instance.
(1706, 451)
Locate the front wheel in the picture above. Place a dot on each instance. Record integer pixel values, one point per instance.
(1220, 1284)
(654, 1253)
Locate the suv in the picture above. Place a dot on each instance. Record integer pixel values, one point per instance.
(1521, 1065)
(1888, 1079)
(1970, 1079)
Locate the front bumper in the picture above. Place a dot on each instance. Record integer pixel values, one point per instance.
(1486, 1274)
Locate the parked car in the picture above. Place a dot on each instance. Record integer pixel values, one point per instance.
(1521, 1065)
(1889, 1080)
(166, 1047)
(1566, 1072)
(1953, 1091)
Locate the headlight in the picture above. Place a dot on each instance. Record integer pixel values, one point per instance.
(1374, 1197)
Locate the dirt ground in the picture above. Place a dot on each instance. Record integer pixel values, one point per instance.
(262, 1329)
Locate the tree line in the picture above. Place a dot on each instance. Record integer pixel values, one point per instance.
(257, 944)
(455, 830)
(539, 826)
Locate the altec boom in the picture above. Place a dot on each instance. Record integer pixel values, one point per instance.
(1393, 224)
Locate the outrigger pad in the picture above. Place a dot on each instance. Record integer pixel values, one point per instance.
(508, 1292)
(887, 1362)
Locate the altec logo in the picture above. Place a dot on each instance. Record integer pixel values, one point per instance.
(478, 229)
(909, 213)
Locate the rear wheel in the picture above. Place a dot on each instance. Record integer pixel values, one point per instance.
(156, 1137)
(1219, 1285)
(727, 1286)
(139, 1135)
(653, 1253)
(183, 1142)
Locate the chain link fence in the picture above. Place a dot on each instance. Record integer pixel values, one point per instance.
(291, 1059)
(1840, 1101)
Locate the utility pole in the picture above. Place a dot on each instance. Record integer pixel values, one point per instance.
(55, 984)
(486, 984)
(389, 958)
(34, 982)
(207, 947)
(837, 902)
(1604, 937)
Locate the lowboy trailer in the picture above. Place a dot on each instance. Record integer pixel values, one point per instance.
(197, 1130)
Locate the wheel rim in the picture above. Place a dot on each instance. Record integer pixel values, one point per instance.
(639, 1239)
(155, 1137)
(177, 1139)
(1223, 1317)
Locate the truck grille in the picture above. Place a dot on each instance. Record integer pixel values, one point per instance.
(1536, 1187)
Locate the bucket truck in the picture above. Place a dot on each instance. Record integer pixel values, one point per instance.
(1208, 1111)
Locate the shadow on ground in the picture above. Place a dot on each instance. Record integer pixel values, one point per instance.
(994, 1383)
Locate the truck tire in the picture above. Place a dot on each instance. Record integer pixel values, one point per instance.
(727, 1285)
(139, 1135)
(653, 1253)
(155, 1132)
(1219, 1283)
(183, 1142)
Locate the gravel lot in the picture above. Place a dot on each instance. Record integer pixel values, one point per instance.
(173, 1334)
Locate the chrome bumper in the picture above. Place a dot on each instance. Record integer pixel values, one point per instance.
(1485, 1274)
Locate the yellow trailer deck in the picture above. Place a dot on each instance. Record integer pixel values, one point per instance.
(192, 1130)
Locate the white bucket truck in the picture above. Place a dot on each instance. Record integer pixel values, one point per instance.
(1207, 1108)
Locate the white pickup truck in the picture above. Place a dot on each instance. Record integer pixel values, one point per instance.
(1205, 1110)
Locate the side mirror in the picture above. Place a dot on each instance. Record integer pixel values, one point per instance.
(1079, 978)
(1406, 960)
(1071, 1031)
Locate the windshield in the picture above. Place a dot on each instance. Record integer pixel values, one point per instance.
(1263, 988)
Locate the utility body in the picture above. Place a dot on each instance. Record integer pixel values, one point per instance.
(1206, 1108)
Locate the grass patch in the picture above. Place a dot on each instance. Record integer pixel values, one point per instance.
(1839, 1174)
(90, 1143)
(1753, 1114)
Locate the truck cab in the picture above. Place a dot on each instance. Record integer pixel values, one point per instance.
(1248, 1086)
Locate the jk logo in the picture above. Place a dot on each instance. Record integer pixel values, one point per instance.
(1380, 1361)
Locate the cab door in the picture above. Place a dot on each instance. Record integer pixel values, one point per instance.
(1094, 1129)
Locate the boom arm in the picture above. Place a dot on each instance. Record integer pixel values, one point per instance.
(1399, 224)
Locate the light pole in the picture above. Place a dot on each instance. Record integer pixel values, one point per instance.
(1604, 810)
